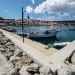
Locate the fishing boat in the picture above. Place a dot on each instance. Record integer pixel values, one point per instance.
(47, 33)
(61, 44)
(21, 34)
(71, 28)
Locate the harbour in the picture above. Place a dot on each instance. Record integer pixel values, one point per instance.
(65, 35)
(41, 50)
(40, 47)
(48, 57)
(37, 37)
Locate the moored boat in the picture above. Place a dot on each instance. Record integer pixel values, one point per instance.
(61, 44)
(11, 29)
(21, 34)
(71, 28)
(47, 33)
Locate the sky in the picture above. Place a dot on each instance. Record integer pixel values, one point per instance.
(51, 10)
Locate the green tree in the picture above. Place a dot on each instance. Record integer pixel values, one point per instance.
(1, 18)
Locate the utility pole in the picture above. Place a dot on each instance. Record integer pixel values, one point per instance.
(22, 26)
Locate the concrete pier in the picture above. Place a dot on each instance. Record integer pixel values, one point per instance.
(38, 46)
(42, 56)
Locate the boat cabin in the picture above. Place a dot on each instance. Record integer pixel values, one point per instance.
(47, 32)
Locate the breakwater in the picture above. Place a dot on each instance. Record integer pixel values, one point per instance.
(13, 61)
(61, 61)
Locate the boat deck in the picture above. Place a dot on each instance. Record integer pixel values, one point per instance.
(38, 46)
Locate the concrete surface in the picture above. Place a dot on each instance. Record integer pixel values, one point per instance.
(54, 60)
(38, 46)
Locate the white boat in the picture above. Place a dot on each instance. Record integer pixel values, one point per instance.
(60, 44)
(71, 28)
(47, 33)
(21, 34)
(11, 29)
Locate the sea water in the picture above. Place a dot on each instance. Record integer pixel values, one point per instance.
(65, 35)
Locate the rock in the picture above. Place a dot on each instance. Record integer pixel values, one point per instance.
(23, 71)
(2, 50)
(25, 60)
(1, 36)
(11, 48)
(0, 41)
(73, 59)
(0, 46)
(15, 72)
(8, 40)
(65, 70)
(14, 58)
(7, 69)
(8, 44)
(2, 73)
(36, 74)
(72, 66)
(23, 54)
(18, 65)
(67, 62)
(1, 32)
(4, 42)
(28, 61)
(33, 67)
(18, 53)
(9, 54)
(46, 71)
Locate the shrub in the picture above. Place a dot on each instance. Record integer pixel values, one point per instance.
(1, 32)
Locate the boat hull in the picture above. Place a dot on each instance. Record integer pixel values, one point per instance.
(61, 44)
(42, 35)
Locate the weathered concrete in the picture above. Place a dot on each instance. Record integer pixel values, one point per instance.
(60, 56)
(38, 46)
(37, 56)
(52, 61)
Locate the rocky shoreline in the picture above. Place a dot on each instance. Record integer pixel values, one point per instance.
(13, 61)
(16, 60)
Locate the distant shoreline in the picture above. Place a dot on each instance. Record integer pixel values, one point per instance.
(30, 22)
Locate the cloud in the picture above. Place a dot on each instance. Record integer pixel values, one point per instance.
(31, 17)
(65, 14)
(29, 9)
(48, 18)
(73, 16)
(56, 6)
(6, 11)
(38, 18)
(32, 1)
(59, 15)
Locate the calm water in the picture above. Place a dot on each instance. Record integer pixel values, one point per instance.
(65, 35)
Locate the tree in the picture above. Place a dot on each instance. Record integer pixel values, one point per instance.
(14, 24)
(7, 23)
(1, 18)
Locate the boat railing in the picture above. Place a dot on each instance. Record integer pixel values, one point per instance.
(37, 32)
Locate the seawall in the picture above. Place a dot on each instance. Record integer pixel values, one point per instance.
(53, 60)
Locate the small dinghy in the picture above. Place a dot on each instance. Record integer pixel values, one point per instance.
(71, 28)
(61, 44)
